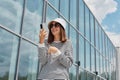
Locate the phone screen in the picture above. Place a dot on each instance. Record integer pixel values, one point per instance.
(41, 26)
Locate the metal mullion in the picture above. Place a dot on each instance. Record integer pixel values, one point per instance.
(95, 43)
(69, 19)
(44, 11)
(90, 38)
(77, 38)
(102, 51)
(59, 7)
(84, 41)
(108, 57)
(105, 54)
(19, 44)
(85, 74)
(99, 45)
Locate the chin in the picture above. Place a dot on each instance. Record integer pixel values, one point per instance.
(55, 34)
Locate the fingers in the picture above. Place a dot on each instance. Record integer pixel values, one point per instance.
(42, 35)
(52, 49)
(43, 32)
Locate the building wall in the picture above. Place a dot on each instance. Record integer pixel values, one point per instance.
(19, 30)
(118, 64)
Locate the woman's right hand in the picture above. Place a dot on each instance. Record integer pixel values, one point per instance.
(42, 35)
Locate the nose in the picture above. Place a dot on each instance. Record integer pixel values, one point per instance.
(53, 26)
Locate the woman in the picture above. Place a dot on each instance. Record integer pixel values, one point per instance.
(55, 54)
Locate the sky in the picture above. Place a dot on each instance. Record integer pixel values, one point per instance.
(107, 13)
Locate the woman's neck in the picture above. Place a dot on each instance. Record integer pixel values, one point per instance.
(56, 38)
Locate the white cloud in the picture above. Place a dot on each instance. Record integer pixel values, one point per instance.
(101, 8)
(105, 27)
(114, 37)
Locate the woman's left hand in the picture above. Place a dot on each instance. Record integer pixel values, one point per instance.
(52, 49)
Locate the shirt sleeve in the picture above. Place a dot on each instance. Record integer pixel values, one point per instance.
(66, 59)
(42, 53)
(41, 45)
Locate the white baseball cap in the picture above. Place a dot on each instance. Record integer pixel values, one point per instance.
(59, 20)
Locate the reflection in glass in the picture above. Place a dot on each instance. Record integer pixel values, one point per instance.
(10, 15)
(87, 56)
(28, 61)
(82, 75)
(72, 73)
(81, 16)
(55, 3)
(87, 26)
(97, 35)
(51, 14)
(64, 8)
(73, 12)
(8, 53)
(90, 76)
(97, 62)
(92, 59)
(81, 51)
(73, 39)
(32, 19)
(92, 28)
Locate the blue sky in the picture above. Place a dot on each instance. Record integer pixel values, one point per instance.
(113, 20)
(107, 13)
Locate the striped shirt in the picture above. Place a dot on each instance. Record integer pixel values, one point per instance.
(55, 66)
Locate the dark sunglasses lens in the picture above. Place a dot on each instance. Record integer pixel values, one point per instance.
(56, 25)
(51, 25)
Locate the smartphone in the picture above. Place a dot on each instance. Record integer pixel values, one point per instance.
(41, 26)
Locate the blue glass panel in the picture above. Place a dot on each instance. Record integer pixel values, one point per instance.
(10, 16)
(92, 28)
(97, 62)
(55, 3)
(101, 65)
(90, 76)
(32, 19)
(92, 59)
(81, 16)
(8, 55)
(73, 12)
(28, 61)
(51, 14)
(73, 39)
(64, 8)
(81, 51)
(72, 72)
(96, 34)
(87, 26)
(87, 56)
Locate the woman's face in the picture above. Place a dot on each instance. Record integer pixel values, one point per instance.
(55, 28)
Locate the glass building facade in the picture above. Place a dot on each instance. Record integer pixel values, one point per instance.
(94, 53)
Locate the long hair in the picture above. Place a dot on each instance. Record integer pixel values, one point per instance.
(63, 37)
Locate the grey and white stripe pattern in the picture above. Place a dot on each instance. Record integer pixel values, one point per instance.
(57, 67)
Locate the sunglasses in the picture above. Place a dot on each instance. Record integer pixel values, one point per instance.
(56, 25)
